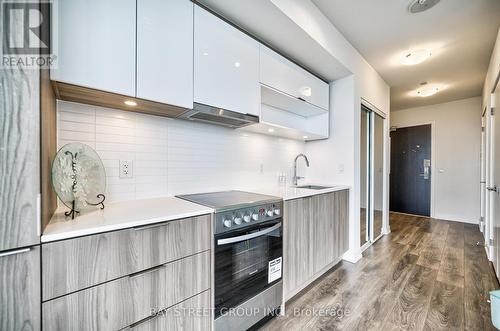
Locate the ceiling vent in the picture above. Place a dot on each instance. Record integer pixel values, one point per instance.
(418, 6)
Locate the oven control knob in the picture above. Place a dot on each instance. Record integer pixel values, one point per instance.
(270, 212)
(227, 223)
(277, 211)
(255, 216)
(247, 218)
(237, 220)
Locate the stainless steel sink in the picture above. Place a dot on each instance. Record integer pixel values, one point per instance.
(314, 187)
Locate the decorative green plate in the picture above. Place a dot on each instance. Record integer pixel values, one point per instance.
(79, 178)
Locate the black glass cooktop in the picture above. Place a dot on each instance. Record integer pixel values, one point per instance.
(228, 199)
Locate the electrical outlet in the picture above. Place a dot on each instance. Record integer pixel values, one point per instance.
(341, 168)
(126, 169)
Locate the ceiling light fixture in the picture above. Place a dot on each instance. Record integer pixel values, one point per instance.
(427, 91)
(418, 6)
(415, 57)
(305, 137)
(270, 130)
(130, 103)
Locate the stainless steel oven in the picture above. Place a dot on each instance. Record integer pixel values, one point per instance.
(248, 257)
(247, 262)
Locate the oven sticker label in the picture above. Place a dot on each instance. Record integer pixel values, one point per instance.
(274, 270)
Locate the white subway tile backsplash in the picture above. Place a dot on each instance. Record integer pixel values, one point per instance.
(76, 126)
(173, 156)
(76, 117)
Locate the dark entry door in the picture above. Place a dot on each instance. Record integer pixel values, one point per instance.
(411, 170)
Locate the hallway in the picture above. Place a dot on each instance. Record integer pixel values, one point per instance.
(426, 275)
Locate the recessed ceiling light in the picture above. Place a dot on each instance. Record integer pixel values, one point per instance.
(306, 91)
(270, 130)
(237, 64)
(305, 137)
(130, 103)
(415, 57)
(427, 91)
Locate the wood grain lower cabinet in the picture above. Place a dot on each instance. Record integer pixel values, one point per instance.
(126, 301)
(20, 289)
(316, 234)
(323, 228)
(297, 252)
(188, 315)
(74, 264)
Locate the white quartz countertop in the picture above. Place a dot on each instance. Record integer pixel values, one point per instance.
(290, 192)
(127, 214)
(121, 215)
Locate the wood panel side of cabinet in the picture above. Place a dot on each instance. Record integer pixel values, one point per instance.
(341, 216)
(19, 157)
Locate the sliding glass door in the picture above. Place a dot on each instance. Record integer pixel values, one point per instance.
(371, 176)
(378, 174)
(364, 215)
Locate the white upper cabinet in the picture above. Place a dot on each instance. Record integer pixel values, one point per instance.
(165, 51)
(226, 65)
(94, 41)
(285, 76)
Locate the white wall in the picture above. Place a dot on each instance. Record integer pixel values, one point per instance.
(493, 70)
(174, 156)
(342, 149)
(456, 137)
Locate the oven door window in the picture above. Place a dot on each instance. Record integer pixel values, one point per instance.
(242, 263)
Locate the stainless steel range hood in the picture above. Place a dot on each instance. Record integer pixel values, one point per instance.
(219, 116)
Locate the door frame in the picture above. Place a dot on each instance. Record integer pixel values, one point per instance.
(433, 158)
(374, 111)
(489, 233)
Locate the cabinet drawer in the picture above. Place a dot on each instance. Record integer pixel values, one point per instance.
(285, 76)
(75, 264)
(128, 300)
(20, 289)
(192, 314)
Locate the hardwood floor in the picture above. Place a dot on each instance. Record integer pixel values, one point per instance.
(426, 274)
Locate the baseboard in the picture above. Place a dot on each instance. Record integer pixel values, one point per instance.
(488, 253)
(449, 219)
(352, 256)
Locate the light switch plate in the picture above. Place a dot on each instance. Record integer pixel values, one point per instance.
(126, 169)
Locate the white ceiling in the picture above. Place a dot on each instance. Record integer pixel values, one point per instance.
(461, 34)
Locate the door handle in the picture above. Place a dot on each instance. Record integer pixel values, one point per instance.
(427, 166)
(18, 251)
(249, 236)
(492, 189)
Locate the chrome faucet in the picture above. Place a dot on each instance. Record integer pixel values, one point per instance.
(295, 177)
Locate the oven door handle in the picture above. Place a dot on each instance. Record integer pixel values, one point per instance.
(233, 240)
